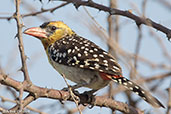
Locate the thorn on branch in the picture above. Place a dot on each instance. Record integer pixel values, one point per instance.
(26, 57)
(47, 92)
(41, 1)
(2, 100)
(34, 14)
(17, 98)
(21, 69)
(22, 25)
(4, 77)
(49, 1)
(35, 95)
(169, 36)
(42, 9)
(16, 36)
(9, 19)
(130, 11)
(52, 11)
(138, 24)
(61, 101)
(15, 15)
(148, 21)
(77, 5)
(90, 2)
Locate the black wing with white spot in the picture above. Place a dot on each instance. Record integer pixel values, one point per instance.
(79, 52)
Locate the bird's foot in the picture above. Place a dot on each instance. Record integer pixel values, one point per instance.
(73, 93)
(70, 89)
(90, 98)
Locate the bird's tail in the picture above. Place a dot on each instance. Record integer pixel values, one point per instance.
(138, 90)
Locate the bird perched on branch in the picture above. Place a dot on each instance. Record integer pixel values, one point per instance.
(82, 61)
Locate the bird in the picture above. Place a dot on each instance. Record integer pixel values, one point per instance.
(82, 61)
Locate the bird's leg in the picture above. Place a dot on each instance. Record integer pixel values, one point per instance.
(78, 85)
(89, 97)
(83, 83)
(88, 94)
(75, 94)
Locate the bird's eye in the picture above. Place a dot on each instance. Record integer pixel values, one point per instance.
(53, 28)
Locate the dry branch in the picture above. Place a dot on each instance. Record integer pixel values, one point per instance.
(39, 92)
(22, 54)
(128, 14)
(36, 12)
(17, 17)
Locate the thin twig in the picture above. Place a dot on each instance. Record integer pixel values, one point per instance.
(37, 12)
(161, 44)
(51, 10)
(165, 3)
(74, 110)
(21, 100)
(156, 77)
(113, 34)
(28, 107)
(169, 101)
(3, 110)
(138, 43)
(137, 49)
(28, 99)
(74, 97)
(22, 54)
(20, 40)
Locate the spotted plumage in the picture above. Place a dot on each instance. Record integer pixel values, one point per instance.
(82, 61)
(74, 52)
(137, 90)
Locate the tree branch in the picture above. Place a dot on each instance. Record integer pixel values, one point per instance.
(39, 92)
(20, 40)
(37, 12)
(128, 14)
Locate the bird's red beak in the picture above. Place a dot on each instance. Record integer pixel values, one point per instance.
(36, 32)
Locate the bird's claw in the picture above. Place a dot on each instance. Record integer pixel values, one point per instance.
(76, 98)
(65, 89)
(89, 99)
(73, 90)
(74, 93)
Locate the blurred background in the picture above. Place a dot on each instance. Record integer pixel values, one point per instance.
(143, 53)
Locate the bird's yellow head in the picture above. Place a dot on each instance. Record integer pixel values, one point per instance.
(49, 32)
